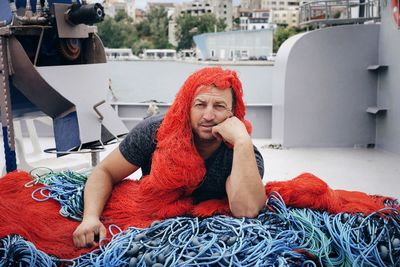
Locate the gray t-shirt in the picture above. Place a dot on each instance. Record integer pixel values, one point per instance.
(139, 145)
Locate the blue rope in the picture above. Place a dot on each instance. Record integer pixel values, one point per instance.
(65, 187)
(16, 251)
(10, 156)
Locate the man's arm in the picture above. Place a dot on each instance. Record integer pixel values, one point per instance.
(98, 189)
(244, 187)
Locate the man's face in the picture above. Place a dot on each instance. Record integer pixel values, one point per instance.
(210, 107)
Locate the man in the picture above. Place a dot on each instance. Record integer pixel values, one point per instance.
(201, 150)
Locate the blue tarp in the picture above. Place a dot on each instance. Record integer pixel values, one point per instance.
(66, 132)
(5, 12)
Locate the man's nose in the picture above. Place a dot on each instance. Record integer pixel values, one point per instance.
(209, 113)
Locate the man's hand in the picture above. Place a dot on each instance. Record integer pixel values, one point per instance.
(87, 233)
(231, 130)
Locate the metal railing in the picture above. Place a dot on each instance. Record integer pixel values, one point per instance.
(334, 12)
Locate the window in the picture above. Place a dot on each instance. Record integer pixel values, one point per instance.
(212, 53)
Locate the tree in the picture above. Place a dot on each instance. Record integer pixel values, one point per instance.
(154, 28)
(282, 34)
(140, 45)
(188, 26)
(117, 32)
(236, 23)
(120, 31)
(123, 17)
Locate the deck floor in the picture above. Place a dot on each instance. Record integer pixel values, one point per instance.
(368, 170)
(371, 171)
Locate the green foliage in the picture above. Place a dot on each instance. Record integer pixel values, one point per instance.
(337, 14)
(140, 45)
(154, 28)
(152, 32)
(120, 31)
(282, 34)
(188, 26)
(123, 17)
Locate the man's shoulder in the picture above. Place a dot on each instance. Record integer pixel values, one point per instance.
(153, 120)
(151, 123)
(145, 130)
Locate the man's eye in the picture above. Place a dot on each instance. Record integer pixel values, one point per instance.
(199, 105)
(220, 107)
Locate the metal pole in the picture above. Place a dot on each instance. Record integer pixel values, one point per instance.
(95, 158)
(5, 103)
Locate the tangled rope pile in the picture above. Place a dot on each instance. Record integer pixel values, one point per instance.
(280, 236)
(64, 187)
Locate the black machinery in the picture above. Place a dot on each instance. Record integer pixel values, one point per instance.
(53, 63)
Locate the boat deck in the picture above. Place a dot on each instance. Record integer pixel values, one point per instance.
(372, 171)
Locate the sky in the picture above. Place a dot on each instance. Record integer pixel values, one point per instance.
(142, 3)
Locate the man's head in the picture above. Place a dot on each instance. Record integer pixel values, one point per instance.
(210, 106)
(207, 84)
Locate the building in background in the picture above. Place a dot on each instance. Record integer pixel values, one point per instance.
(118, 54)
(250, 4)
(165, 5)
(139, 15)
(256, 19)
(234, 45)
(159, 54)
(112, 7)
(222, 9)
(172, 32)
(283, 11)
